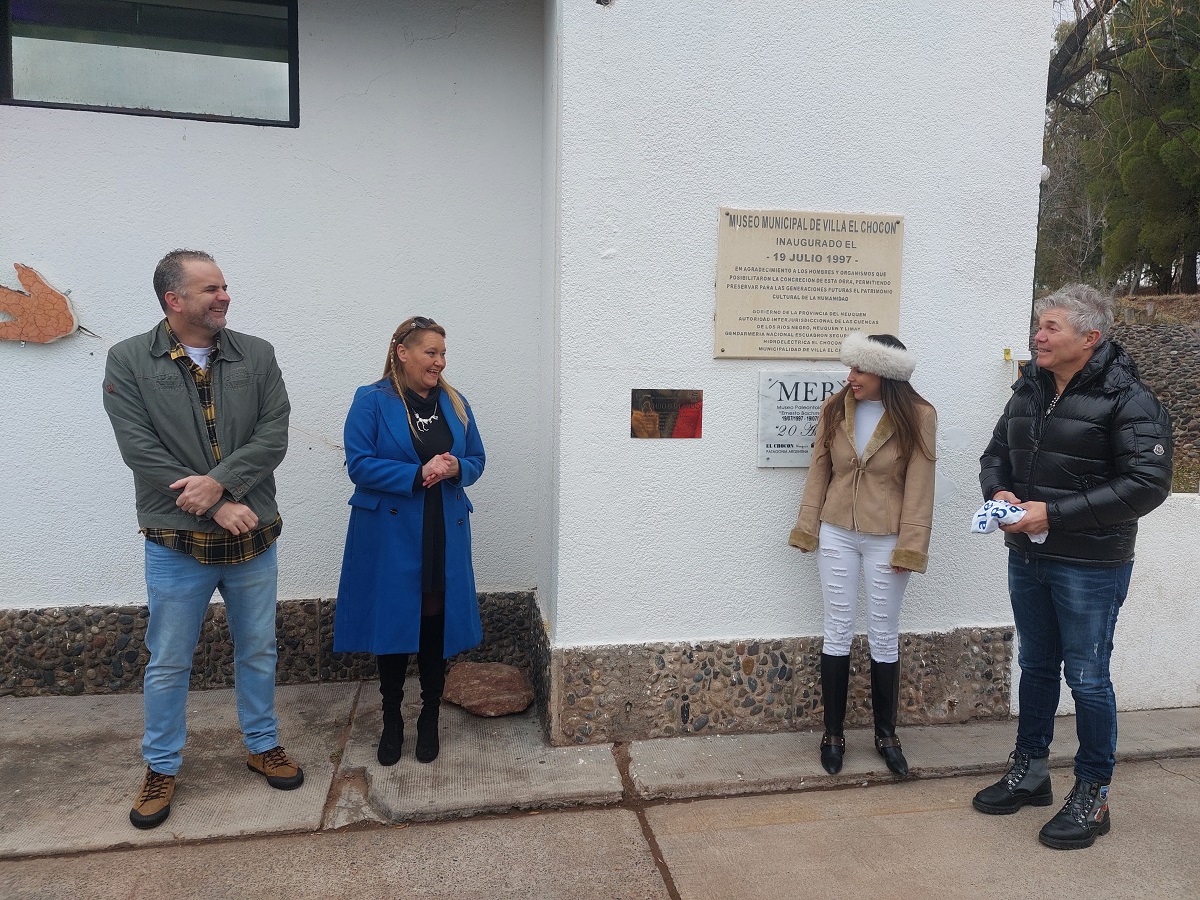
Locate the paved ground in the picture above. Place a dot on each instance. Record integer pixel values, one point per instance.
(773, 823)
(922, 839)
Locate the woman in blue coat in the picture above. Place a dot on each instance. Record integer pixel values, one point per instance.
(407, 581)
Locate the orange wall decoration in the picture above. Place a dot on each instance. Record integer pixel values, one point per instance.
(40, 316)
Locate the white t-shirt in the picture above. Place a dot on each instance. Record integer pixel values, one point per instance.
(200, 355)
(867, 414)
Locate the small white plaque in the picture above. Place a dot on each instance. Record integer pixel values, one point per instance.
(789, 404)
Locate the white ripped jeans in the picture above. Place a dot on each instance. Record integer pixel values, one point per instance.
(841, 555)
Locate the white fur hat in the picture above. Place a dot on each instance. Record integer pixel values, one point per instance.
(877, 358)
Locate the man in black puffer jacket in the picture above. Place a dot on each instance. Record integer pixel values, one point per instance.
(1085, 448)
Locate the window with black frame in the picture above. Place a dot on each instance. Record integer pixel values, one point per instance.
(229, 60)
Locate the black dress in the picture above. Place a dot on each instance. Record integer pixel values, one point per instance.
(431, 436)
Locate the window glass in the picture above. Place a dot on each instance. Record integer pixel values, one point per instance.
(222, 58)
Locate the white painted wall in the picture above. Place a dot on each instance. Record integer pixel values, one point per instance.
(673, 109)
(1155, 659)
(422, 180)
(548, 471)
(412, 186)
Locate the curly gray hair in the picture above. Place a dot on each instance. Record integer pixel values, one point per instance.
(1086, 308)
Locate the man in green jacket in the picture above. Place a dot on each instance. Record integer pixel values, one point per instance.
(201, 417)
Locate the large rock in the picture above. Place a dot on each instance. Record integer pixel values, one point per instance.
(488, 689)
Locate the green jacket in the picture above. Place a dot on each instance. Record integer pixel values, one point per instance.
(155, 412)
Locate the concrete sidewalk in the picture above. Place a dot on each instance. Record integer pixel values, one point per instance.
(914, 839)
(69, 767)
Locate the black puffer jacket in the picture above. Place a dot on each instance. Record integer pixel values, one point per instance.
(1099, 461)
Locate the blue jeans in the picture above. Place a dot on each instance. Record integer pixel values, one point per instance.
(179, 588)
(1065, 615)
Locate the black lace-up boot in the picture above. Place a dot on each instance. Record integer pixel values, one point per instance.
(1081, 820)
(835, 680)
(1027, 782)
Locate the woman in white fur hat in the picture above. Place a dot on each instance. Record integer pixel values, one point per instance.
(868, 507)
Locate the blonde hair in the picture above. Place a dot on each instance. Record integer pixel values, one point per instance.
(409, 334)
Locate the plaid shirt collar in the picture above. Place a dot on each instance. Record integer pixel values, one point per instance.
(176, 349)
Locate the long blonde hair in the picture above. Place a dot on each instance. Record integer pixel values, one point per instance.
(409, 334)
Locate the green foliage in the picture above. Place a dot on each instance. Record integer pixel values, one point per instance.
(1122, 144)
(1143, 160)
(1143, 163)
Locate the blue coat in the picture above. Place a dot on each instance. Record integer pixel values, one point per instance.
(379, 596)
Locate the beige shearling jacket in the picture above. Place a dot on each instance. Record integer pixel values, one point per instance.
(883, 493)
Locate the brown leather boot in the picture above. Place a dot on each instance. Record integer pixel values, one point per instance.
(279, 770)
(153, 803)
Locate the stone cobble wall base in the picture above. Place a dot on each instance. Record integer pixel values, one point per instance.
(98, 650)
(541, 667)
(584, 694)
(632, 692)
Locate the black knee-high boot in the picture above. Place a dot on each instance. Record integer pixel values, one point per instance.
(392, 668)
(432, 667)
(835, 681)
(885, 703)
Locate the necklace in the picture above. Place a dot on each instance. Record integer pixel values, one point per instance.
(423, 423)
(1053, 403)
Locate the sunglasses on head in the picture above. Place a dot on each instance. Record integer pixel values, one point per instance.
(416, 324)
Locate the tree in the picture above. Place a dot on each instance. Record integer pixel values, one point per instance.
(1093, 45)
(1070, 220)
(1145, 164)
(1123, 144)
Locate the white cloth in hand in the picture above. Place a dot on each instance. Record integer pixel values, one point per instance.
(995, 513)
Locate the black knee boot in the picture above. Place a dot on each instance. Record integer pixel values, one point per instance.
(835, 681)
(432, 667)
(885, 703)
(392, 668)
